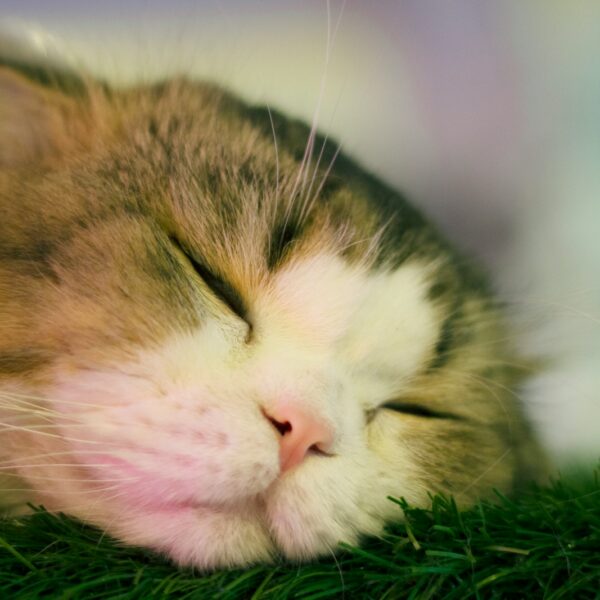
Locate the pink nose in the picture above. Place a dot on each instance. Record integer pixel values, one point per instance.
(300, 432)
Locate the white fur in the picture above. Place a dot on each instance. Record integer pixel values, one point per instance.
(194, 462)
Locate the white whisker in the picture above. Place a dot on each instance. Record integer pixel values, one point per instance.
(48, 434)
(64, 491)
(485, 472)
(324, 178)
(7, 469)
(276, 158)
(19, 396)
(301, 178)
(41, 427)
(15, 462)
(78, 480)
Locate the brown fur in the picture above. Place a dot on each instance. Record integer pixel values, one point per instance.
(94, 188)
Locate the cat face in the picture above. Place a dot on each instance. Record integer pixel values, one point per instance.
(218, 348)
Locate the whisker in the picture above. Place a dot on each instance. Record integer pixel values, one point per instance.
(63, 491)
(37, 427)
(48, 455)
(18, 396)
(7, 469)
(570, 310)
(19, 403)
(487, 383)
(325, 177)
(26, 413)
(485, 472)
(52, 435)
(307, 203)
(314, 176)
(276, 157)
(339, 568)
(373, 240)
(300, 183)
(331, 38)
(76, 479)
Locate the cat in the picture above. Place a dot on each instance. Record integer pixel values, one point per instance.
(224, 340)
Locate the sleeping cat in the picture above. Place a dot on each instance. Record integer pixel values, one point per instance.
(222, 339)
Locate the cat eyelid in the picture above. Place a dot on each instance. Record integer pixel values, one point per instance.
(418, 410)
(220, 288)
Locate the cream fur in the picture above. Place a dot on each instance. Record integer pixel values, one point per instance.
(193, 460)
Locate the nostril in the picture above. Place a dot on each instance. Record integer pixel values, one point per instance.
(282, 427)
(300, 434)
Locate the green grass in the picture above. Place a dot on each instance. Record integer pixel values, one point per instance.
(545, 544)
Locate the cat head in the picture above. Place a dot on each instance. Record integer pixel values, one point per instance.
(222, 339)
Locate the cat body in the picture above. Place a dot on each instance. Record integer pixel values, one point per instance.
(225, 341)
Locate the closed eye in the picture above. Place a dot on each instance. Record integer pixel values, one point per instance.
(418, 410)
(220, 288)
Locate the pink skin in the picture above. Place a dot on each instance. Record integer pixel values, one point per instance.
(147, 489)
(300, 433)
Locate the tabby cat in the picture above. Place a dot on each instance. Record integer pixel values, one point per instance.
(222, 339)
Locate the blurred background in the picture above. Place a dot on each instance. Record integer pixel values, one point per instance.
(487, 115)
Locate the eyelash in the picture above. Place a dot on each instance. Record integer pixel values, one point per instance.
(221, 289)
(415, 410)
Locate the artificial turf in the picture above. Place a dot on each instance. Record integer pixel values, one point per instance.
(543, 544)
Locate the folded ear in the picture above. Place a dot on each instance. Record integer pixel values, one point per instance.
(38, 124)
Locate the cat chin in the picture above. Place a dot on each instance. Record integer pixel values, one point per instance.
(202, 537)
(304, 513)
(209, 537)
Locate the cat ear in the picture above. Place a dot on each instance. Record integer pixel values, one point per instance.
(43, 98)
(38, 124)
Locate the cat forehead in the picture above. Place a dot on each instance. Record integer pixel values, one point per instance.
(226, 178)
